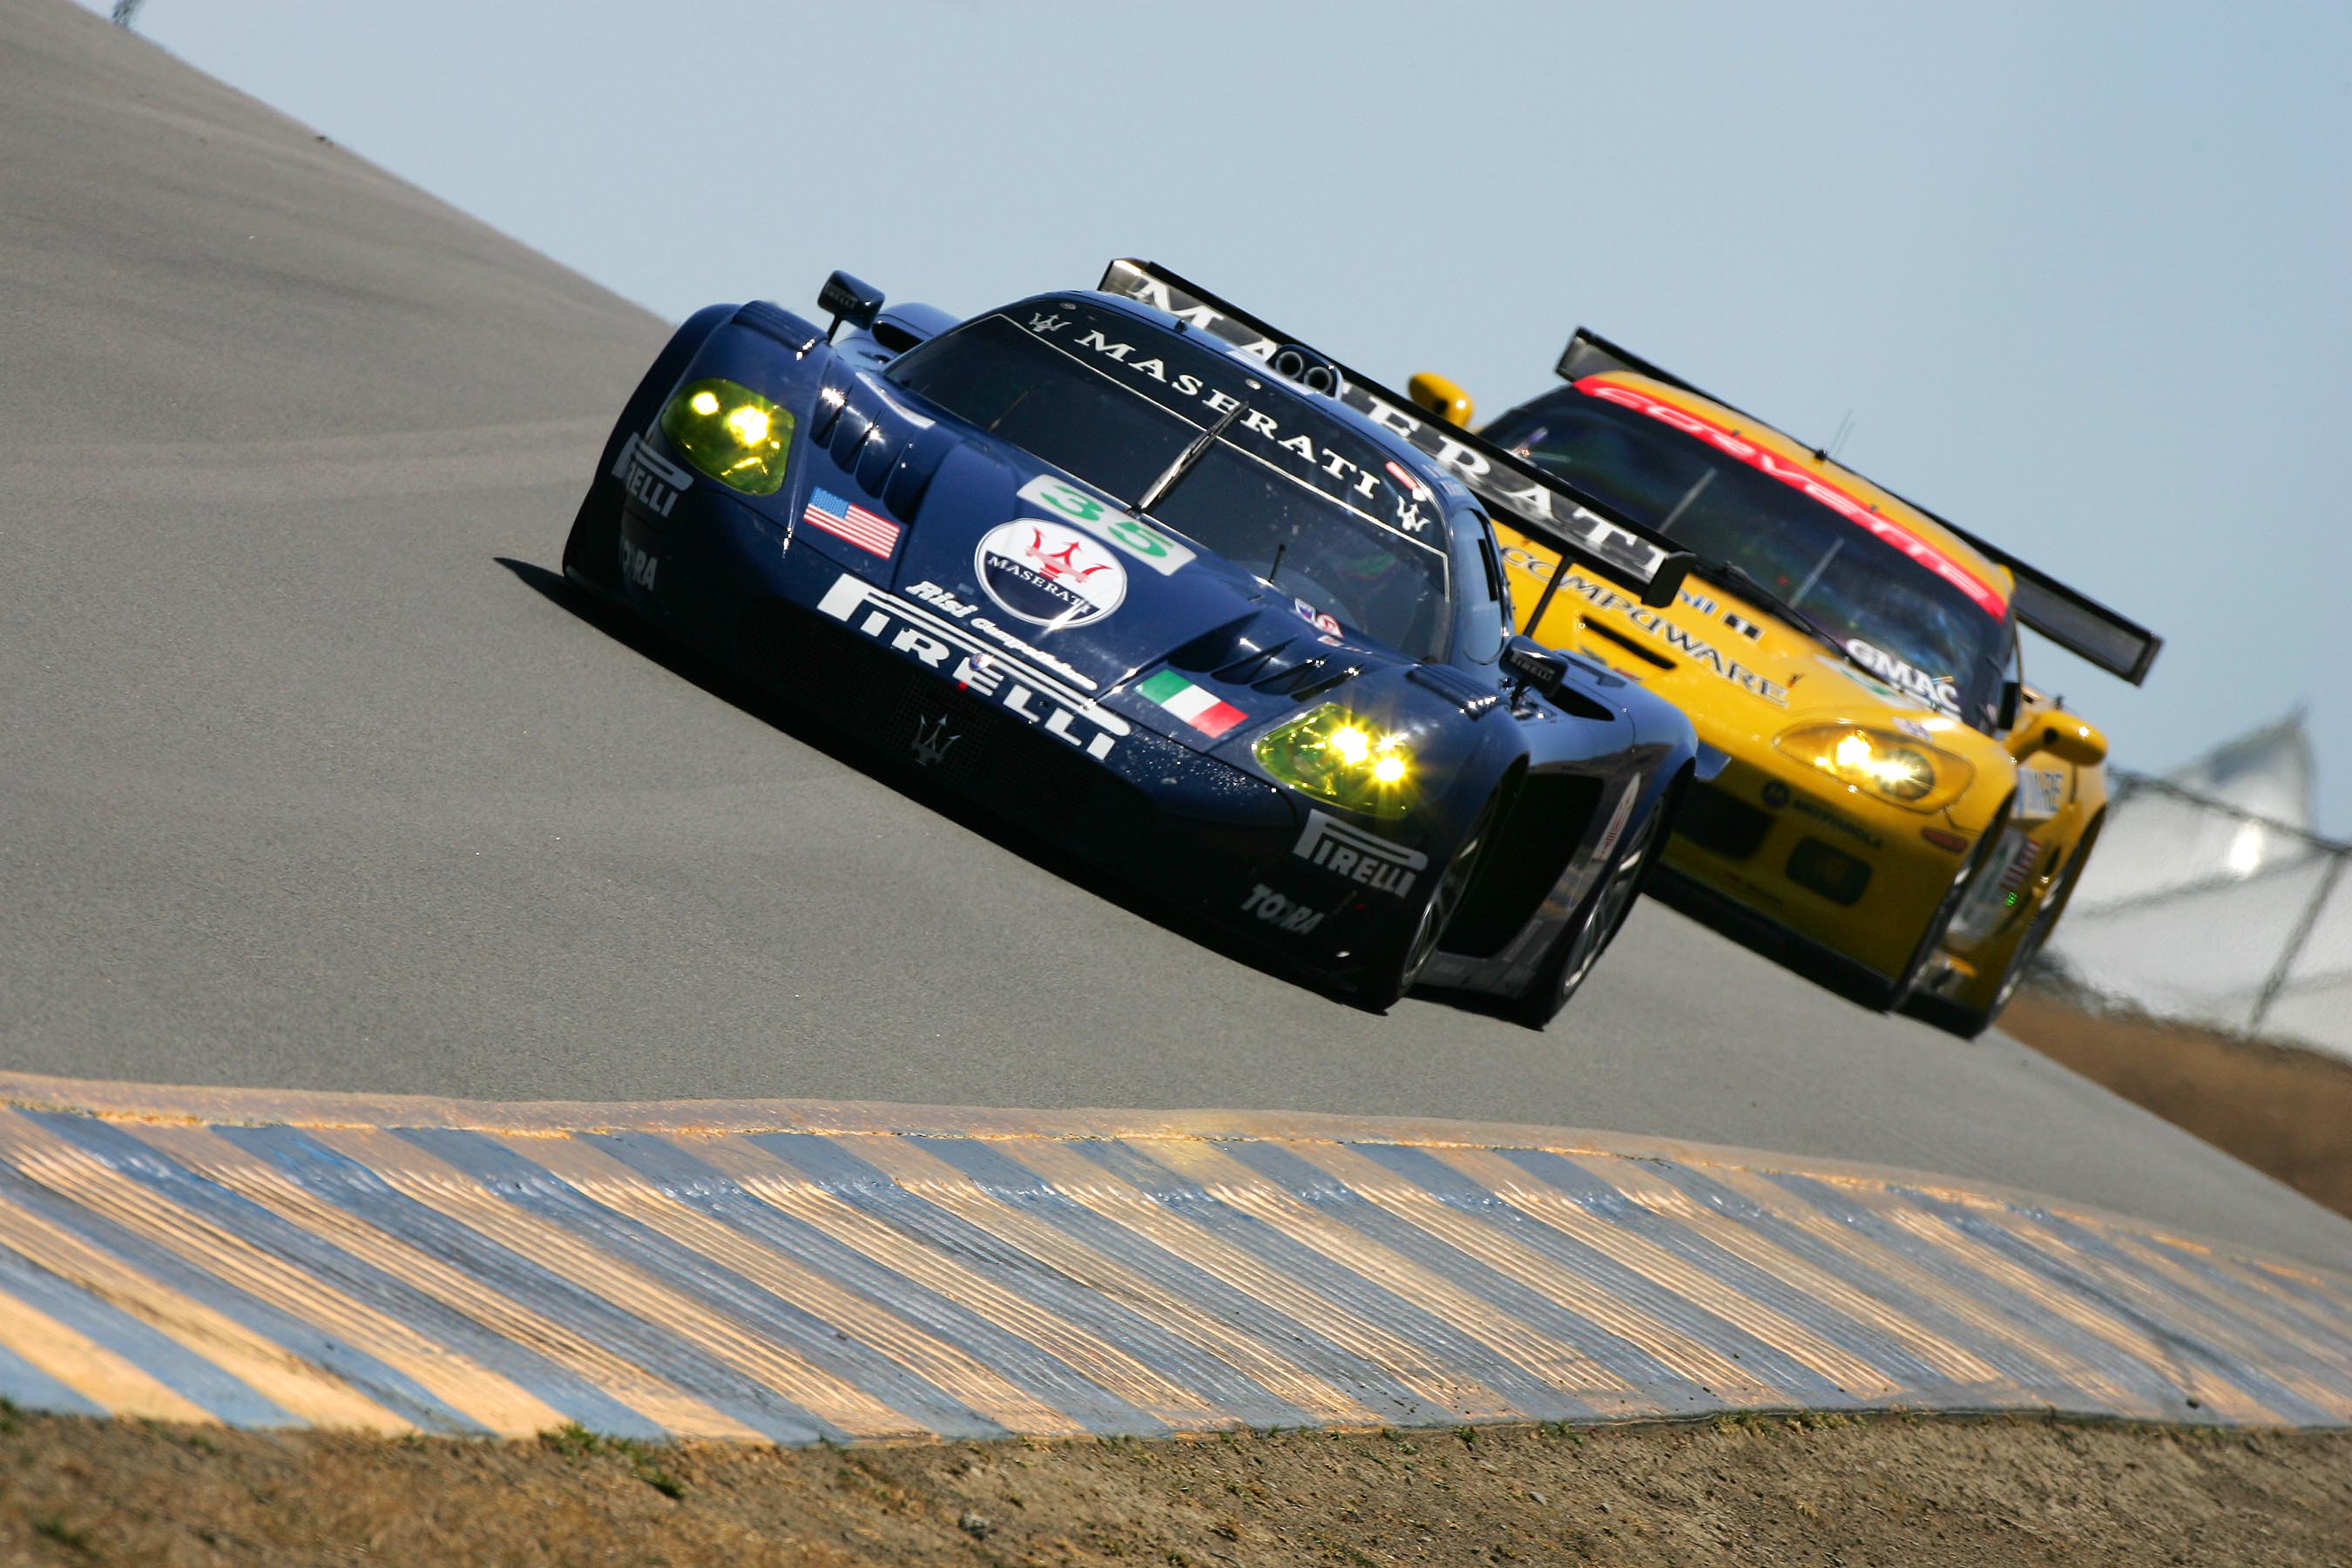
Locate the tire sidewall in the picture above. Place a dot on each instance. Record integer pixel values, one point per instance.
(1388, 981)
(1976, 866)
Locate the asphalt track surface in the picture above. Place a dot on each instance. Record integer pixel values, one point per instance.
(311, 776)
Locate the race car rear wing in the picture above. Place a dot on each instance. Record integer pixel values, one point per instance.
(2074, 621)
(1541, 505)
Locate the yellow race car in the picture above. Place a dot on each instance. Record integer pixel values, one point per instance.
(1886, 805)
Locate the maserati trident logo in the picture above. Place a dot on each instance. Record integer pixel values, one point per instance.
(932, 740)
(1048, 574)
(1058, 564)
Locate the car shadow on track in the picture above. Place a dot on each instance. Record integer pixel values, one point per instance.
(697, 669)
(1841, 977)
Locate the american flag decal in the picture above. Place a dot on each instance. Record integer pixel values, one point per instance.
(846, 520)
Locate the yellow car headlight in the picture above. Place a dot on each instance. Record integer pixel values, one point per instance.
(731, 433)
(1903, 769)
(1335, 755)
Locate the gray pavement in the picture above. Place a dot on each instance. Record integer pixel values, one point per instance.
(300, 787)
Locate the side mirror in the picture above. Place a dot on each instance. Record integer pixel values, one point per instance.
(1528, 662)
(848, 298)
(2064, 737)
(1435, 395)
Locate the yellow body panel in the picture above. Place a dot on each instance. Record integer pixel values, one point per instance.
(1837, 864)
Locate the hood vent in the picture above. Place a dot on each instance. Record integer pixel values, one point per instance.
(1256, 666)
(1220, 646)
(1293, 667)
(888, 456)
(1306, 678)
(1310, 676)
(1298, 668)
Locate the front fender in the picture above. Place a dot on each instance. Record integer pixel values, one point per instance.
(654, 387)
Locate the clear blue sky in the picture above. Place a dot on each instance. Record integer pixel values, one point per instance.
(2081, 273)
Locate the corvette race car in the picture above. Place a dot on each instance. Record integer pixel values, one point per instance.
(1140, 578)
(1879, 786)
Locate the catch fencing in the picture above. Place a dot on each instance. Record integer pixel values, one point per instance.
(2195, 909)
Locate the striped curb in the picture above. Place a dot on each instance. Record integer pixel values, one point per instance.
(796, 1270)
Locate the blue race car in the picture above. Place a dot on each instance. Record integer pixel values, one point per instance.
(1147, 581)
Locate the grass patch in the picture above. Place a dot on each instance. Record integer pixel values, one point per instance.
(66, 1535)
(574, 1441)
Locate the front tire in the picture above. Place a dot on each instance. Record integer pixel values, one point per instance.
(1597, 921)
(592, 550)
(1385, 984)
(1905, 986)
(1967, 1022)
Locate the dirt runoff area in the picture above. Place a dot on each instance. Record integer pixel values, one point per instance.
(2281, 1110)
(1748, 1492)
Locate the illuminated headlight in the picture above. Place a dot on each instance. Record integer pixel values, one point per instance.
(1337, 756)
(731, 433)
(1897, 767)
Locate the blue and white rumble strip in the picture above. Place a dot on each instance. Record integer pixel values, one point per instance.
(793, 1271)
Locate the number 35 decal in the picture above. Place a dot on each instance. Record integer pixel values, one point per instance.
(1156, 550)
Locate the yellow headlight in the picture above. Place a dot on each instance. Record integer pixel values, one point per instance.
(731, 433)
(1333, 756)
(1899, 768)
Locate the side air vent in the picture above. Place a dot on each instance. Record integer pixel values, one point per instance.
(1540, 829)
(894, 337)
(1576, 705)
(1456, 687)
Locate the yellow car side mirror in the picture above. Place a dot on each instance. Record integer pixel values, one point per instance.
(1440, 396)
(2063, 736)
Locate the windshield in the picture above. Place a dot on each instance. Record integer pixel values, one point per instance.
(1287, 493)
(1925, 629)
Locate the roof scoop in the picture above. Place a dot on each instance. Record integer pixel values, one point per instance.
(1297, 362)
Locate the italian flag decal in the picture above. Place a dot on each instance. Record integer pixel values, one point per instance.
(1190, 703)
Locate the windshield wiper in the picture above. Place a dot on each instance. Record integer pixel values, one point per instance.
(1738, 578)
(1158, 489)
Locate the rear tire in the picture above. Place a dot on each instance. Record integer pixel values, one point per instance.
(1597, 921)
